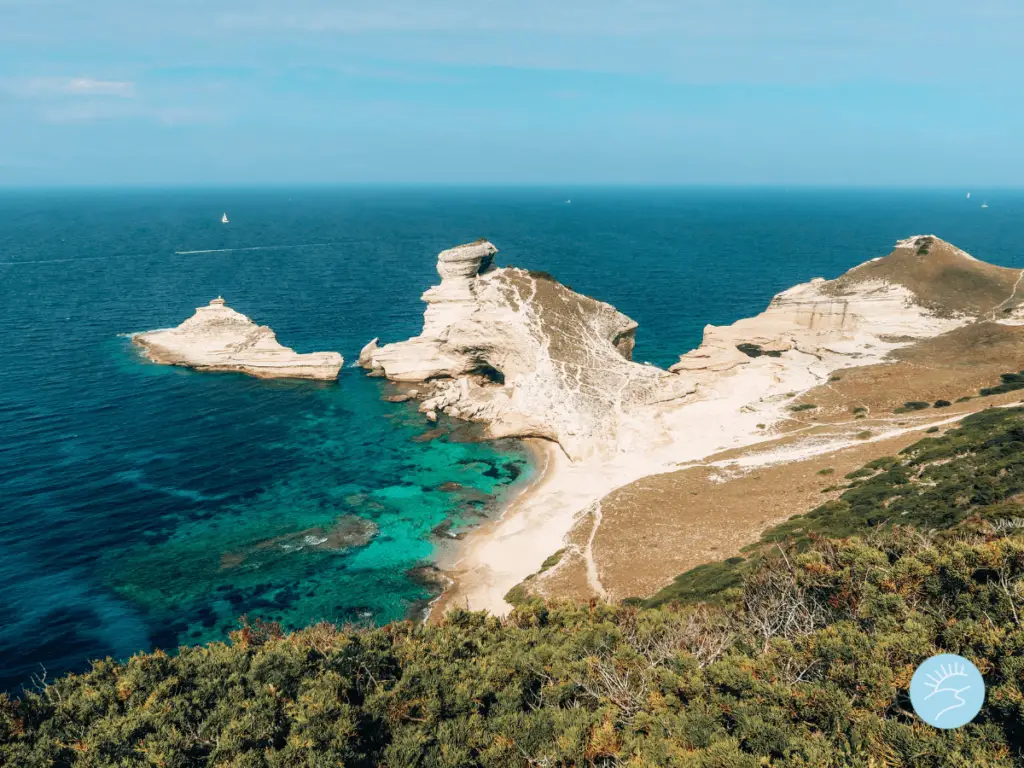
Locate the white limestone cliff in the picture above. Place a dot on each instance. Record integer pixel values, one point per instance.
(217, 338)
(524, 354)
(859, 317)
(530, 357)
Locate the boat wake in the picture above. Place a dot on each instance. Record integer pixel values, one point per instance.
(256, 248)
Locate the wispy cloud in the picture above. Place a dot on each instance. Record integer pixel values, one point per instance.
(69, 86)
(91, 111)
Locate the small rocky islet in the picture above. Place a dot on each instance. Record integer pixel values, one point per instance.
(217, 338)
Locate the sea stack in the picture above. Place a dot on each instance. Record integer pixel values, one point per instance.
(217, 338)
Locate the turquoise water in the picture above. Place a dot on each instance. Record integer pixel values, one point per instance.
(146, 506)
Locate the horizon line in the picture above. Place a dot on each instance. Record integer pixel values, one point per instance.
(82, 186)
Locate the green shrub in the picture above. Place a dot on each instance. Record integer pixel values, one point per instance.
(862, 472)
(726, 685)
(1010, 382)
(942, 404)
(552, 560)
(912, 405)
(802, 407)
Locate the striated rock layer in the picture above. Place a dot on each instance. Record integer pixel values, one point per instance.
(523, 353)
(217, 338)
(925, 287)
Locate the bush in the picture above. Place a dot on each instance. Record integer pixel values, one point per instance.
(802, 407)
(913, 405)
(942, 404)
(1010, 382)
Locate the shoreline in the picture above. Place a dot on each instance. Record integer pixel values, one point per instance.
(458, 563)
(497, 556)
(500, 554)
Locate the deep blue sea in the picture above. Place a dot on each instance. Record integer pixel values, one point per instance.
(146, 506)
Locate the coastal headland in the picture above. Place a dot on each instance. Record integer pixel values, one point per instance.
(646, 472)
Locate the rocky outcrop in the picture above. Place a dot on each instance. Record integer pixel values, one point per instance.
(217, 338)
(530, 357)
(524, 354)
(365, 359)
(925, 287)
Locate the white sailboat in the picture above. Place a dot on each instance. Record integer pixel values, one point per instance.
(224, 219)
(968, 195)
(984, 205)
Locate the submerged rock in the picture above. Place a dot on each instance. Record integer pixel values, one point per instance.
(348, 532)
(217, 338)
(430, 434)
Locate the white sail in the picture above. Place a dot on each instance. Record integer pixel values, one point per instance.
(968, 195)
(224, 219)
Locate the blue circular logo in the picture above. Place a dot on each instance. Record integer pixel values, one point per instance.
(947, 691)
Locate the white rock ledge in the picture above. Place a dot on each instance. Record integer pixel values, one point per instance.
(217, 338)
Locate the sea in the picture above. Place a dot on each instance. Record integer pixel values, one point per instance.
(146, 506)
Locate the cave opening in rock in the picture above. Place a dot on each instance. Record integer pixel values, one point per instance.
(491, 373)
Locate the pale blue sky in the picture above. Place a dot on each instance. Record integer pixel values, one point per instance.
(896, 92)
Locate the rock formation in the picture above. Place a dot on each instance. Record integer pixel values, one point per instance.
(529, 357)
(828, 367)
(217, 338)
(925, 287)
(522, 353)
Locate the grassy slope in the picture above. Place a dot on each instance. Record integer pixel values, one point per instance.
(975, 470)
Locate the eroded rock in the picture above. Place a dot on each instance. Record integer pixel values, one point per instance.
(217, 338)
(523, 354)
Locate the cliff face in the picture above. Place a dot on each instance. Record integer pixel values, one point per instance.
(217, 338)
(528, 356)
(523, 353)
(924, 288)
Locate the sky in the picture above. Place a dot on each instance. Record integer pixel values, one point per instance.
(782, 92)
